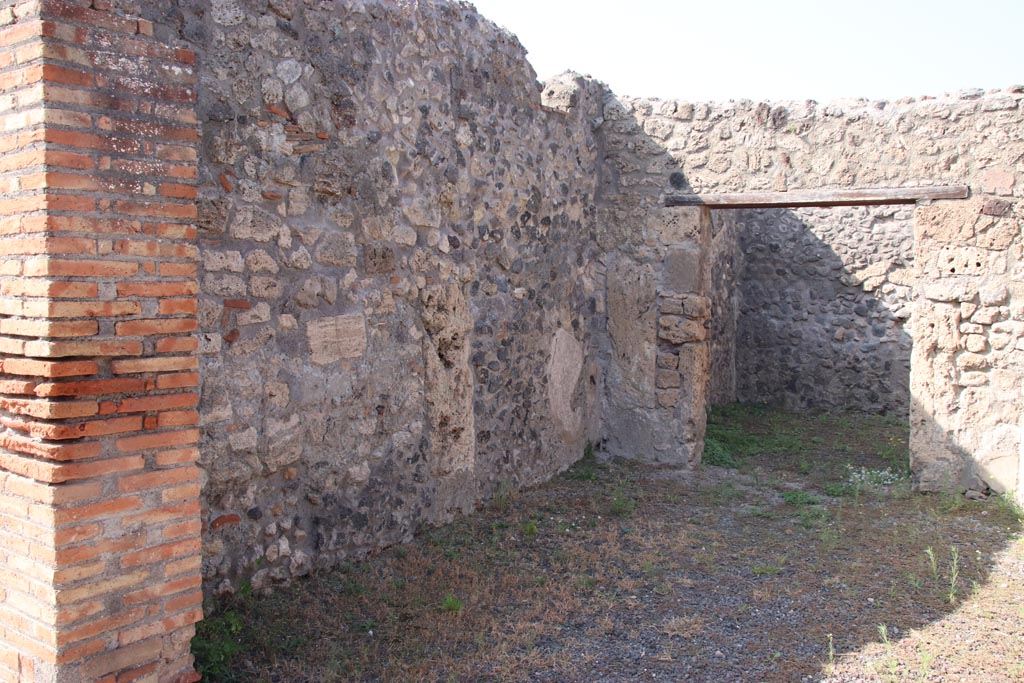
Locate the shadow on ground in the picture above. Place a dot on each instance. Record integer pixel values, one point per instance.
(805, 556)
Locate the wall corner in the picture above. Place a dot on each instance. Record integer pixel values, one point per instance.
(99, 489)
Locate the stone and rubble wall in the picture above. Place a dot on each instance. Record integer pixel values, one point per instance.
(727, 268)
(817, 308)
(399, 283)
(967, 367)
(963, 261)
(744, 146)
(656, 354)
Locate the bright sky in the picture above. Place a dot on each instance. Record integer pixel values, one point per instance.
(773, 49)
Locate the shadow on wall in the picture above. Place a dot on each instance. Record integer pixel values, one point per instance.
(808, 305)
(813, 308)
(810, 311)
(810, 308)
(656, 352)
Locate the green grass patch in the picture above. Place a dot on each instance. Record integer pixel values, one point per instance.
(736, 432)
(813, 517)
(798, 497)
(586, 468)
(451, 604)
(622, 504)
(838, 489)
(717, 454)
(1006, 506)
(218, 640)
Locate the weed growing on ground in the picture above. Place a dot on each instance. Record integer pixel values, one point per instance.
(1008, 506)
(894, 452)
(502, 499)
(798, 497)
(838, 489)
(726, 492)
(829, 537)
(217, 642)
(953, 503)
(873, 479)
(716, 454)
(813, 517)
(622, 504)
(730, 440)
(586, 468)
(954, 572)
(925, 659)
(763, 513)
(766, 569)
(933, 562)
(891, 663)
(451, 604)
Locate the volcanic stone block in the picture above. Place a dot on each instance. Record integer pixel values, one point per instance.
(684, 269)
(676, 330)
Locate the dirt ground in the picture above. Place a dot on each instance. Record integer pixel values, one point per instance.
(804, 556)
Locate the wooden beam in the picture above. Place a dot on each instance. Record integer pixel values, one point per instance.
(796, 198)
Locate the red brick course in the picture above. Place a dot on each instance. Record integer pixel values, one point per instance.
(99, 490)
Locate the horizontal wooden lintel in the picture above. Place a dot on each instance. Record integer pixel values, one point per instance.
(797, 198)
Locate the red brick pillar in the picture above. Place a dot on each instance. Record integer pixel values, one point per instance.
(99, 491)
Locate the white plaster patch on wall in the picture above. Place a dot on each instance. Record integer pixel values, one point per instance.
(564, 368)
(336, 338)
(998, 457)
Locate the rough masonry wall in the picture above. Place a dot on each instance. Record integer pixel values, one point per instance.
(727, 269)
(655, 354)
(655, 148)
(967, 367)
(398, 282)
(743, 146)
(817, 308)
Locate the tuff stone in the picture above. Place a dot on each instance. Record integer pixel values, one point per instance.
(677, 330)
(337, 249)
(668, 379)
(668, 398)
(684, 269)
(668, 360)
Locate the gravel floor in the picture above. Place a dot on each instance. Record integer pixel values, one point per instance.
(793, 566)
